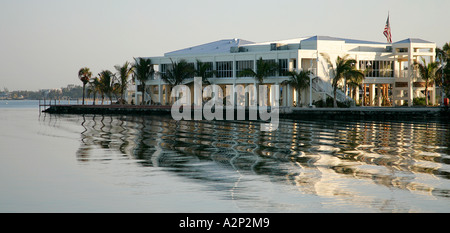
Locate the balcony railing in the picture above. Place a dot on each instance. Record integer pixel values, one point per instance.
(406, 74)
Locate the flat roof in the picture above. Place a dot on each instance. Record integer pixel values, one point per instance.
(413, 40)
(224, 46)
(350, 41)
(220, 46)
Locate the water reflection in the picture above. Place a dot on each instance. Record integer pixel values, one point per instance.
(325, 159)
(347, 161)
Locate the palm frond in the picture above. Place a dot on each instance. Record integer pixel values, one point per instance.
(263, 69)
(179, 72)
(345, 70)
(247, 73)
(84, 74)
(123, 74)
(143, 69)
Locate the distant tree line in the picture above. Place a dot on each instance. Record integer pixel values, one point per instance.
(70, 92)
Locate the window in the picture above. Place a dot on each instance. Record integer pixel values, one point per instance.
(284, 67)
(271, 61)
(224, 69)
(384, 69)
(242, 65)
(163, 68)
(206, 71)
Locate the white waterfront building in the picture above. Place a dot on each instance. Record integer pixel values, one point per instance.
(389, 68)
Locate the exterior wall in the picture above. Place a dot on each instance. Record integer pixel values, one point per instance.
(407, 78)
(306, 55)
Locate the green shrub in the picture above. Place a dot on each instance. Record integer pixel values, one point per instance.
(419, 101)
(329, 103)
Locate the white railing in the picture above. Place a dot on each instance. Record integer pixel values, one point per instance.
(324, 87)
(407, 74)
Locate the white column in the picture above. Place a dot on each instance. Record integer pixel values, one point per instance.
(234, 67)
(380, 94)
(372, 94)
(254, 64)
(160, 93)
(289, 65)
(289, 95)
(410, 76)
(357, 94)
(136, 93)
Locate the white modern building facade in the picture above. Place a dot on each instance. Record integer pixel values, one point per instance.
(391, 79)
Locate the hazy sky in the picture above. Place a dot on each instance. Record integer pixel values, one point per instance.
(43, 43)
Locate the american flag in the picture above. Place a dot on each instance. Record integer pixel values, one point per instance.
(387, 31)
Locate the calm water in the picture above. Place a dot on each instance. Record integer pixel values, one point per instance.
(76, 163)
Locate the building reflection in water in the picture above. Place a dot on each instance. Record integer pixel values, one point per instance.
(335, 159)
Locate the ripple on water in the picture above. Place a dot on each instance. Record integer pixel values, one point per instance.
(335, 159)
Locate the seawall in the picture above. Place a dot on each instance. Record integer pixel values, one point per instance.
(355, 113)
(371, 113)
(107, 109)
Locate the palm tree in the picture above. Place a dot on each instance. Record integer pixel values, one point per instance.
(179, 72)
(353, 83)
(263, 69)
(106, 84)
(92, 88)
(345, 70)
(123, 74)
(446, 51)
(116, 90)
(142, 71)
(204, 70)
(428, 72)
(299, 81)
(443, 55)
(446, 79)
(443, 74)
(84, 74)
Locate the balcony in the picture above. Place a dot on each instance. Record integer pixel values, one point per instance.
(404, 74)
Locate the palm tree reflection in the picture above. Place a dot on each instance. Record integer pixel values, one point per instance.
(319, 158)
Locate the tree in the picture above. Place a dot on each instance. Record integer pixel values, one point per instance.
(204, 70)
(94, 88)
(299, 81)
(343, 71)
(263, 69)
(442, 54)
(443, 74)
(179, 72)
(123, 74)
(142, 71)
(106, 79)
(428, 72)
(446, 79)
(84, 74)
(355, 81)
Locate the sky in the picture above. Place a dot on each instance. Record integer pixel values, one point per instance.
(43, 43)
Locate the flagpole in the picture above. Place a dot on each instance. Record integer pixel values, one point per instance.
(389, 20)
(387, 29)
